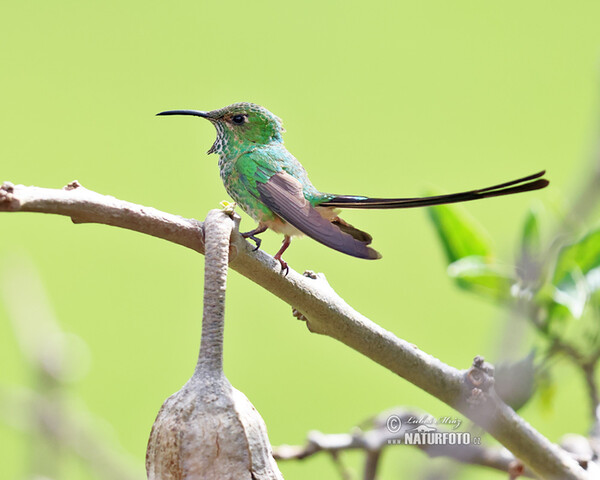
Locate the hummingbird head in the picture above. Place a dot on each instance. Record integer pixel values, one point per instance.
(240, 124)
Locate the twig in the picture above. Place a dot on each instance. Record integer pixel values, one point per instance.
(343, 470)
(589, 371)
(77, 433)
(326, 313)
(375, 440)
(54, 429)
(371, 464)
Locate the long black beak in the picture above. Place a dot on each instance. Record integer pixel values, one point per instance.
(195, 113)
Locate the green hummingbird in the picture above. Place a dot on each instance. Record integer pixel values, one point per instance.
(271, 186)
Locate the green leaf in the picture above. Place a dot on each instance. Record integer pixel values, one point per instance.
(547, 389)
(473, 273)
(573, 293)
(461, 236)
(530, 237)
(593, 279)
(583, 255)
(593, 283)
(577, 273)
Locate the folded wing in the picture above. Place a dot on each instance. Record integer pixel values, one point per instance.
(283, 194)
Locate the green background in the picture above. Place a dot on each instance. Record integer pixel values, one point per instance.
(381, 98)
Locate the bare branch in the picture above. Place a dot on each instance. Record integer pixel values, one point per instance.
(589, 371)
(371, 464)
(375, 440)
(76, 431)
(56, 358)
(326, 313)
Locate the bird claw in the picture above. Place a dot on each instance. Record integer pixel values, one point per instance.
(284, 267)
(252, 236)
(256, 240)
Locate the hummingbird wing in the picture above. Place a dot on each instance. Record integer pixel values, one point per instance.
(283, 194)
(525, 184)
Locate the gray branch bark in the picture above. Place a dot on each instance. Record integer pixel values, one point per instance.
(470, 392)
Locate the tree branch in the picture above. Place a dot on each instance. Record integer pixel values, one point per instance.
(469, 392)
(373, 442)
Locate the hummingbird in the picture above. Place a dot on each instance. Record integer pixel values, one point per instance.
(271, 186)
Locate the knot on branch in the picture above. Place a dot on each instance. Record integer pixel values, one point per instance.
(313, 276)
(479, 379)
(515, 469)
(72, 185)
(580, 448)
(310, 274)
(298, 314)
(6, 192)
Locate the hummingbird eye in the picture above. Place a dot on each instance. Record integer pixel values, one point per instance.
(238, 119)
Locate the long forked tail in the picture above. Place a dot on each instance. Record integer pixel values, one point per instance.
(525, 184)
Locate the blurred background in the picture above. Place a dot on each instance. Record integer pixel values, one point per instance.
(380, 98)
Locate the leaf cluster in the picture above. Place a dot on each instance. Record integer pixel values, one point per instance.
(554, 285)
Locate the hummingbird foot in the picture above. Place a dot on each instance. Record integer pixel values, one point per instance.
(256, 240)
(252, 236)
(284, 266)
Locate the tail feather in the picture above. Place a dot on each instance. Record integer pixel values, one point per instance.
(359, 235)
(525, 184)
